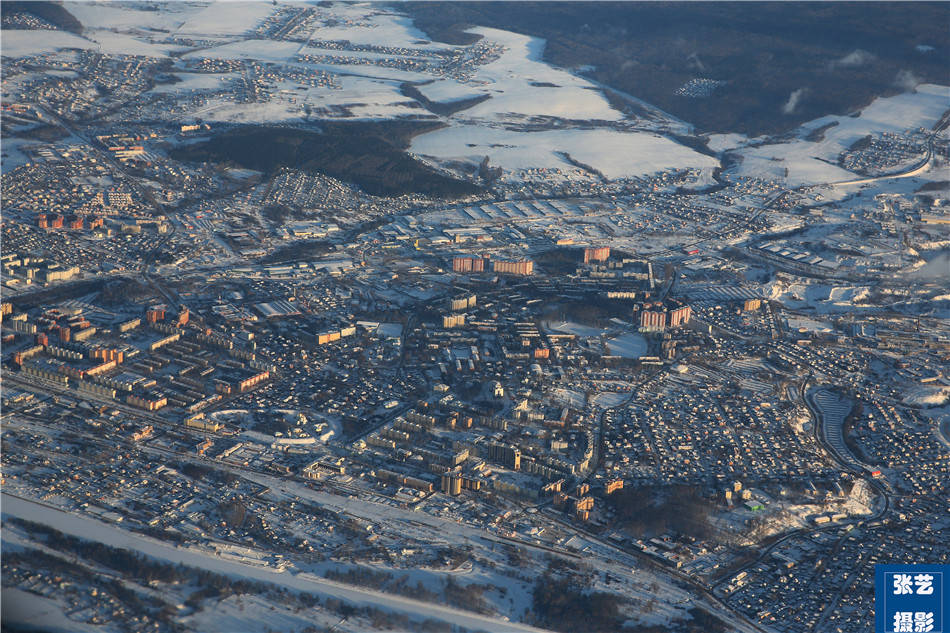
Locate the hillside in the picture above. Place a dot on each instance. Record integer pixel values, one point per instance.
(825, 58)
(368, 154)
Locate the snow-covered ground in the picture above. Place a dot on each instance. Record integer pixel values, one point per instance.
(569, 397)
(448, 90)
(114, 536)
(583, 141)
(822, 298)
(724, 142)
(807, 161)
(249, 613)
(805, 324)
(13, 155)
(25, 610)
(834, 409)
(128, 17)
(613, 153)
(19, 43)
(110, 42)
(928, 396)
(261, 50)
(197, 81)
(569, 327)
(521, 86)
(225, 18)
(518, 84)
(607, 399)
(373, 24)
(515, 82)
(627, 345)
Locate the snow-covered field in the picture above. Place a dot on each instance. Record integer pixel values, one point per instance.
(513, 81)
(114, 536)
(197, 81)
(806, 161)
(822, 298)
(248, 613)
(521, 86)
(627, 345)
(24, 609)
(225, 18)
(805, 324)
(260, 50)
(447, 90)
(130, 17)
(19, 43)
(569, 397)
(569, 327)
(724, 142)
(13, 155)
(928, 396)
(607, 399)
(112, 43)
(613, 153)
(366, 84)
(375, 25)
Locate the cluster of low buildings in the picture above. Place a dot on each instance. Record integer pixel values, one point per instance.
(510, 361)
(889, 151)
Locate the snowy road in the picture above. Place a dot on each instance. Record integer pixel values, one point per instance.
(102, 532)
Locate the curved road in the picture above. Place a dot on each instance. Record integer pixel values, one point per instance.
(846, 465)
(908, 173)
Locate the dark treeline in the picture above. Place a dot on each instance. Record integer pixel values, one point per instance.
(558, 604)
(141, 569)
(370, 155)
(840, 55)
(438, 107)
(52, 12)
(654, 510)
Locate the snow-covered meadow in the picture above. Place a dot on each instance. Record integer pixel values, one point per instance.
(370, 52)
(533, 120)
(810, 162)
